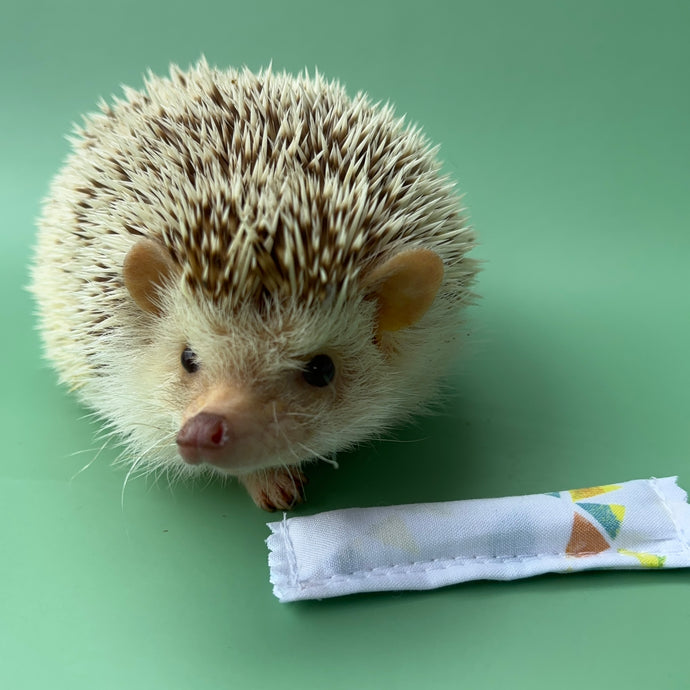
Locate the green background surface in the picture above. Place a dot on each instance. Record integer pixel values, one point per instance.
(567, 126)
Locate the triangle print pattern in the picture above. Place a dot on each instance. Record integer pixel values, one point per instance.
(648, 560)
(579, 494)
(585, 539)
(608, 516)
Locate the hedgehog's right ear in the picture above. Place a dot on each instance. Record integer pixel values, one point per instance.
(404, 287)
(146, 268)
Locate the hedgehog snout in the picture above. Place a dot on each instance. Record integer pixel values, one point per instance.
(234, 429)
(203, 438)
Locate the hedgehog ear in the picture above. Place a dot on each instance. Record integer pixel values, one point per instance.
(405, 286)
(146, 268)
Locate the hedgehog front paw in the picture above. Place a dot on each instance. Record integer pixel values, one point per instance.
(280, 488)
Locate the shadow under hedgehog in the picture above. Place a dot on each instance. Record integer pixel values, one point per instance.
(241, 272)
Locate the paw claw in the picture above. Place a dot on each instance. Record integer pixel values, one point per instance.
(276, 489)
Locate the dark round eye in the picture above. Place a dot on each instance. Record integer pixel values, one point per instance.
(189, 360)
(319, 371)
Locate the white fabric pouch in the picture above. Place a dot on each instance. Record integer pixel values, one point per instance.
(637, 524)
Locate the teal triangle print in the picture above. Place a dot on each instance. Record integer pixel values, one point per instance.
(605, 516)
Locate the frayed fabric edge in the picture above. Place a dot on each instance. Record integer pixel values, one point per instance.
(281, 560)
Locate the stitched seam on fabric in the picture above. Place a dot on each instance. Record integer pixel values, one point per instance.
(290, 552)
(427, 566)
(667, 507)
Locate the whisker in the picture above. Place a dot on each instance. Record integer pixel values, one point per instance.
(88, 415)
(150, 426)
(81, 452)
(382, 439)
(135, 464)
(142, 459)
(307, 415)
(318, 456)
(88, 464)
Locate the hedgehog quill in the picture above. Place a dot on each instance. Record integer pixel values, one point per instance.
(243, 272)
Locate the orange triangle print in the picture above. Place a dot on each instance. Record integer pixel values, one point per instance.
(585, 540)
(579, 494)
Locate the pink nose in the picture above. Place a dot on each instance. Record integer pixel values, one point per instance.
(203, 437)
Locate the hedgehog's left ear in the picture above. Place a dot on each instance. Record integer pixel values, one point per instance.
(146, 268)
(404, 287)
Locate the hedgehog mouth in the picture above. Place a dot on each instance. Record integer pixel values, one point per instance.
(243, 466)
(232, 456)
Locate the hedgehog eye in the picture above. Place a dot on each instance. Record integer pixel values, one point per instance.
(319, 371)
(189, 360)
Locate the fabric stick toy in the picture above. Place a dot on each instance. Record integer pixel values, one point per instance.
(637, 524)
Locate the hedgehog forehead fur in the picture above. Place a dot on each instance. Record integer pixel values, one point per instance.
(264, 186)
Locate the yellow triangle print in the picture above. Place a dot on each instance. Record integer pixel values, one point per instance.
(648, 560)
(579, 494)
(618, 511)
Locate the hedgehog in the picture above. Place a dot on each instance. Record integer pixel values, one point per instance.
(241, 272)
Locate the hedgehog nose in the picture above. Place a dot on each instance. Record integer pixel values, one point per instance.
(202, 437)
